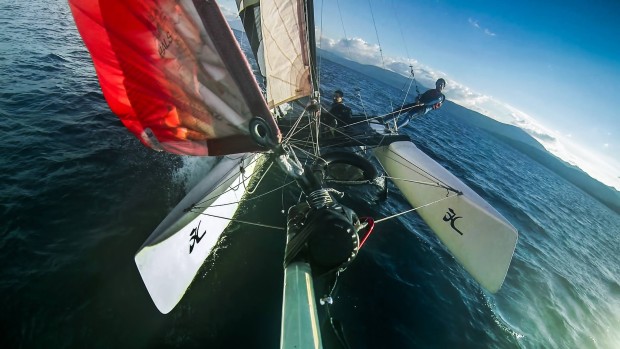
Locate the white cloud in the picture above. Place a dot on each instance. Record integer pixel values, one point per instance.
(355, 49)
(488, 32)
(361, 51)
(474, 23)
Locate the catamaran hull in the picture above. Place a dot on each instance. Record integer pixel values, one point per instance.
(480, 239)
(171, 257)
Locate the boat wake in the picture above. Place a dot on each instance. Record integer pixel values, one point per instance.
(192, 170)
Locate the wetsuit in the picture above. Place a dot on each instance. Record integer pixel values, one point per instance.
(432, 98)
(428, 101)
(339, 114)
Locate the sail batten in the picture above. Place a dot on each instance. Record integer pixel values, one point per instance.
(173, 73)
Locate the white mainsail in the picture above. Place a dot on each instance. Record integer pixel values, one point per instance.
(278, 33)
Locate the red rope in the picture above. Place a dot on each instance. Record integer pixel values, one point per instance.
(370, 227)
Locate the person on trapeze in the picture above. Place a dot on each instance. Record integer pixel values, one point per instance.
(429, 100)
(338, 114)
(433, 97)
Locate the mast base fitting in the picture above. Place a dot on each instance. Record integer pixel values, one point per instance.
(326, 238)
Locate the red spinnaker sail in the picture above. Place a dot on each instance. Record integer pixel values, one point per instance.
(173, 73)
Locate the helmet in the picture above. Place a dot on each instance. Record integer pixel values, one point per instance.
(441, 82)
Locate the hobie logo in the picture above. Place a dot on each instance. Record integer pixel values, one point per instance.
(452, 217)
(194, 238)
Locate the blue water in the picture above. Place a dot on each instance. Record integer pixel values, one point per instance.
(79, 195)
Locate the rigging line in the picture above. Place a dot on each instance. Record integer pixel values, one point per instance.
(320, 58)
(247, 199)
(359, 95)
(357, 123)
(367, 119)
(222, 183)
(245, 222)
(372, 14)
(295, 125)
(402, 35)
(336, 181)
(301, 144)
(317, 130)
(346, 143)
(296, 130)
(419, 170)
(338, 333)
(243, 177)
(289, 137)
(422, 173)
(250, 192)
(301, 193)
(346, 38)
(347, 136)
(305, 140)
(411, 210)
(377, 117)
(383, 136)
(314, 123)
(289, 150)
(309, 139)
(306, 152)
(430, 184)
(334, 116)
(407, 93)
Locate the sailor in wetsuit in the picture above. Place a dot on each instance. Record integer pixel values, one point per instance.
(339, 114)
(433, 98)
(428, 101)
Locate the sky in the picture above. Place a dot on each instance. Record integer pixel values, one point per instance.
(549, 67)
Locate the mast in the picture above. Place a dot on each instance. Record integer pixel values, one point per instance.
(314, 78)
(300, 321)
(314, 105)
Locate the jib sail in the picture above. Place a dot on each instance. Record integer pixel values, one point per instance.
(173, 73)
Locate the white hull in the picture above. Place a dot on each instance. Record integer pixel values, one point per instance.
(481, 240)
(171, 257)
